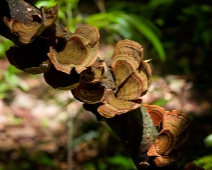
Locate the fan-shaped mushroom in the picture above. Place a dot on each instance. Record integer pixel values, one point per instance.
(156, 113)
(90, 93)
(126, 59)
(165, 160)
(146, 69)
(134, 87)
(114, 106)
(60, 80)
(94, 73)
(168, 145)
(31, 58)
(129, 48)
(123, 66)
(27, 31)
(132, 79)
(79, 52)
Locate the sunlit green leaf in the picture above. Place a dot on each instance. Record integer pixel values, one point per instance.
(148, 33)
(205, 162)
(208, 141)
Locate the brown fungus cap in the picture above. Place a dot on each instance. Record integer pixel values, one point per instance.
(132, 79)
(79, 52)
(26, 32)
(90, 93)
(60, 80)
(31, 58)
(169, 143)
(155, 112)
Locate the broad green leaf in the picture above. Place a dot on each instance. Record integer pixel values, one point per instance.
(148, 33)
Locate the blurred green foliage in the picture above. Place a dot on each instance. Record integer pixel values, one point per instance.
(208, 141)
(9, 80)
(205, 162)
(4, 45)
(117, 23)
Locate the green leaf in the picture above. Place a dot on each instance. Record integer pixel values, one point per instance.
(122, 161)
(148, 33)
(208, 141)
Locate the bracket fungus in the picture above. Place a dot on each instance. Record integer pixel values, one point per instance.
(167, 147)
(132, 80)
(27, 30)
(70, 62)
(90, 93)
(126, 59)
(113, 106)
(79, 52)
(60, 80)
(156, 114)
(31, 58)
(91, 90)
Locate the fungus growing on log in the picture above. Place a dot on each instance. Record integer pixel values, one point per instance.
(60, 80)
(26, 31)
(132, 79)
(79, 52)
(31, 58)
(70, 62)
(168, 145)
(156, 114)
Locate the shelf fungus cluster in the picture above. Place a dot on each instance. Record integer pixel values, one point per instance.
(43, 46)
(33, 25)
(69, 61)
(168, 146)
(118, 89)
(132, 78)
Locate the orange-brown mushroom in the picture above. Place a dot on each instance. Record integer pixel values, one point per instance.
(134, 87)
(60, 80)
(132, 79)
(156, 113)
(126, 59)
(27, 31)
(168, 145)
(129, 48)
(123, 66)
(79, 52)
(165, 160)
(31, 58)
(90, 93)
(113, 106)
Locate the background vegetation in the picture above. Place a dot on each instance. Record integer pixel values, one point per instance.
(176, 34)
